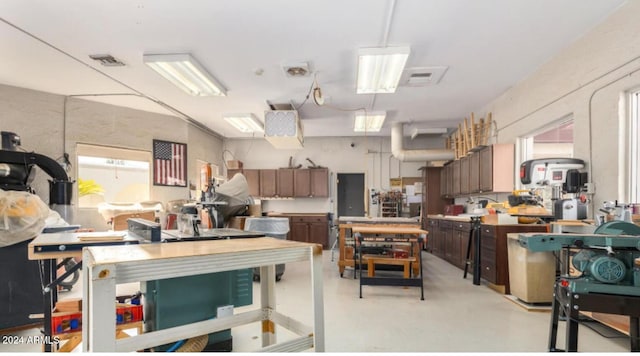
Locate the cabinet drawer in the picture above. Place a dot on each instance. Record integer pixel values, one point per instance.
(308, 219)
(489, 230)
(432, 223)
(446, 224)
(463, 226)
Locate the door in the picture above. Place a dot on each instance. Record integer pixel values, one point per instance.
(350, 194)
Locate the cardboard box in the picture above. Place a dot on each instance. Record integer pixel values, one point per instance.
(234, 164)
(69, 305)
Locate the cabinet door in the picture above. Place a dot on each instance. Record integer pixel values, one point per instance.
(464, 175)
(474, 173)
(301, 183)
(443, 179)
(455, 190)
(486, 169)
(284, 188)
(253, 180)
(319, 233)
(319, 182)
(268, 182)
(300, 231)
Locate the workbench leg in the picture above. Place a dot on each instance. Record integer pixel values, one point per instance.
(318, 299)
(98, 307)
(49, 296)
(268, 302)
(572, 316)
(553, 328)
(634, 333)
(420, 274)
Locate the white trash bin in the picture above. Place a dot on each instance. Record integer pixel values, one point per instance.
(272, 227)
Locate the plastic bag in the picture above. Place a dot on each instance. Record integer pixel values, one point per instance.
(22, 216)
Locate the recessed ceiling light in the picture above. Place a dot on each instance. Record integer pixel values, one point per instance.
(186, 73)
(245, 122)
(379, 69)
(371, 122)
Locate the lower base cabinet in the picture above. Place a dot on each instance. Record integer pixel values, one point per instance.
(449, 240)
(311, 228)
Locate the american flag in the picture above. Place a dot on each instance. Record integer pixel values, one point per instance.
(169, 163)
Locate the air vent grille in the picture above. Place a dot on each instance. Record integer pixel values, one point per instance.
(107, 60)
(423, 76)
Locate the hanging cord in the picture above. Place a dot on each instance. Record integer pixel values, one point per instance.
(314, 83)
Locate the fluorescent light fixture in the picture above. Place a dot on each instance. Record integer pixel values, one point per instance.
(380, 69)
(186, 73)
(245, 122)
(372, 122)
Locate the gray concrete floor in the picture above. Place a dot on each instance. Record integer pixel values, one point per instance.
(456, 316)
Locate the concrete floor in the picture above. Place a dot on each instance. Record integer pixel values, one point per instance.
(456, 316)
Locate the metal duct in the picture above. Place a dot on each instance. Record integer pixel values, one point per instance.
(414, 155)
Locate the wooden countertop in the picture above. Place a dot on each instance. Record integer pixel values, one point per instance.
(468, 219)
(275, 214)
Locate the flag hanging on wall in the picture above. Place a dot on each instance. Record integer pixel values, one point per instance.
(169, 163)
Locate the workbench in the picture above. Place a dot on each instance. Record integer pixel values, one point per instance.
(346, 242)
(105, 267)
(47, 249)
(385, 235)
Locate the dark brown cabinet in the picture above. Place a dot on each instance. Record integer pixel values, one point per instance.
(253, 180)
(455, 173)
(311, 182)
(432, 199)
(268, 183)
(474, 173)
(494, 261)
(450, 240)
(464, 175)
(311, 228)
(490, 170)
(285, 183)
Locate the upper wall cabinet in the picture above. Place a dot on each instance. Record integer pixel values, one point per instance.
(268, 183)
(490, 170)
(285, 182)
(311, 182)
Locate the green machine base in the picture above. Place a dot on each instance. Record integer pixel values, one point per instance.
(179, 301)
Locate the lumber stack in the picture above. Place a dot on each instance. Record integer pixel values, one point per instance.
(470, 135)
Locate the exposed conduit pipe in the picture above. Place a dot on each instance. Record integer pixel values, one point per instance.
(414, 155)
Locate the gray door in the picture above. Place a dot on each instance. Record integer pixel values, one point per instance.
(350, 194)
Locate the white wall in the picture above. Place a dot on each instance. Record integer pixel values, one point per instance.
(370, 155)
(40, 120)
(586, 80)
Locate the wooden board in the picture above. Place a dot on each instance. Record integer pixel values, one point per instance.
(527, 306)
(381, 229)
(145, 252)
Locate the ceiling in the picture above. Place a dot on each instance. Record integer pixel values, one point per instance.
(488, 46)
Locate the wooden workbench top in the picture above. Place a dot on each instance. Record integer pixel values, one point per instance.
(388, 230)
(144, 252)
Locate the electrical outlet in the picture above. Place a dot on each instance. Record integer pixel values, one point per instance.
(226, 310)
(591, 188)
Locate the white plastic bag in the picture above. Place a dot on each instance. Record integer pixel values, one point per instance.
(22, 216)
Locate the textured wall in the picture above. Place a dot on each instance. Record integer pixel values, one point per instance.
(587, 79)
(46, 127)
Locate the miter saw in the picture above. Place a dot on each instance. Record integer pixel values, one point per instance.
(554, 185)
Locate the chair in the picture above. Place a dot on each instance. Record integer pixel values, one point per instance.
(120, 220)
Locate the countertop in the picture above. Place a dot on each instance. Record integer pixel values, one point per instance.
(468, 219)
(276, 214)
(364, 219)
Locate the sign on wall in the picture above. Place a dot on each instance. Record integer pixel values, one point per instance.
(169, 163)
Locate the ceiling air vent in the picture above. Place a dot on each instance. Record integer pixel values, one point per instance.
(106, 60)
(296, 70)
(423, 76)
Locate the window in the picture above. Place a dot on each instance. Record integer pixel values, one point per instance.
(634, 149)
(108, 174)
(551, 141)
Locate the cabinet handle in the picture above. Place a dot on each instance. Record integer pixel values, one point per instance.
(487, 231)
